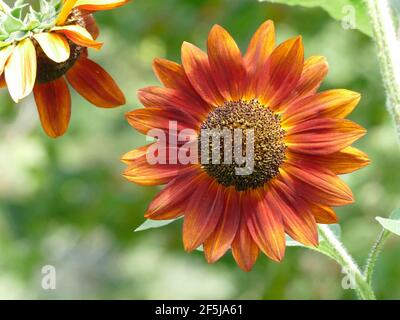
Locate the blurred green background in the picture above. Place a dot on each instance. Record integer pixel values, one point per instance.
(64, 203)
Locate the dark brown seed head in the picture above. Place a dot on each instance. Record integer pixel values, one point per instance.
(269, 149)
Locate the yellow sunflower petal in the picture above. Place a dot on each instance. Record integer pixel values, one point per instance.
(4, 55)
(54, 45)
(97, 5)
(20, 70)
(79, 35)
(65, 11)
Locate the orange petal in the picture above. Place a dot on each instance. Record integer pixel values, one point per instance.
(172, 75)
(143, 173)
(97, 5)
(91, 26)
(170, 203)
(5, 53)
(323, 136)
(315, 70)
(133, 155)
(226, 64)
(261, 46)
(297, 217)
(146, 119)
(20, 70)
(327, 104)
(65, 11)
(221, 239)
(344, 161)
(265, 224)
(53, 101)
(323, 214)
(78, 35)
(202, 213)
(171, 98)
(198, 70)
(281, 74)
(244, 249)
(94, 84)
(3, 83)
(54, 45)
(316, 185)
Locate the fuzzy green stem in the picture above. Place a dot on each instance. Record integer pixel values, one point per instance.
(342, 257)
(374, 254)
(388, 48)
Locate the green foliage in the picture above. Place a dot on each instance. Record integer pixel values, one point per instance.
(337, 9)
(153, 224)
(391, 224)
(21, 20)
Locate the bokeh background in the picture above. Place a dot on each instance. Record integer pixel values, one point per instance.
(64, 202)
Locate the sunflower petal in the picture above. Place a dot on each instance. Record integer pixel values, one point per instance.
(65, 11)
(135, 154)
(97, 5)
(221, 239)
(315, 70)
(297, 217)
(266, 225)
(170, 203)
(244, 249)
(3, 83)
(261, 46)
(281, 74)
(328, 104)
(20, 70)
(78, 35)
(91, 26)
(323, 136)
(226, 62)
(53, 101)
(344, 161)
(317, 185)
(202, 213)
(323, 214)
(175, 99)
(5, 53)
(54, 45)
(146, 119)
(94, 84)
(198, 70)
(143, 173)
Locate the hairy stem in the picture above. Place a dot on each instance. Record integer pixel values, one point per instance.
(374, 254)
(342, 257)
(388, 48)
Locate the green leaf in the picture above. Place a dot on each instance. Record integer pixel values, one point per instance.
(391, 224)
(337, 9)
(12, 24)
(152, 224)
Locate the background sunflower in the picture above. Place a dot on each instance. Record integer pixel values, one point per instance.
(86, 228)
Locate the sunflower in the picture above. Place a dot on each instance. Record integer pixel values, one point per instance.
(39, 49)
(301, 144)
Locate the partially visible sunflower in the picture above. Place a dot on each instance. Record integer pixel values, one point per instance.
(39, 49)
(302, 144)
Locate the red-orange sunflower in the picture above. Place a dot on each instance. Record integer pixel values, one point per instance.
(39, 49)
(301, 145)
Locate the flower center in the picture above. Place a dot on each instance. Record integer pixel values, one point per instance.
(48, 70)
(256, 138)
